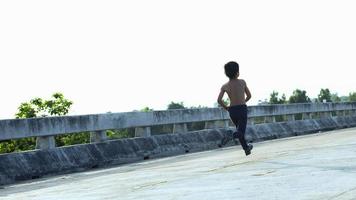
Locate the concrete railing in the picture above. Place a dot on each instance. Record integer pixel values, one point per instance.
(46, 128)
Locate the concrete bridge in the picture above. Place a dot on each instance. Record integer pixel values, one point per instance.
(315, 166)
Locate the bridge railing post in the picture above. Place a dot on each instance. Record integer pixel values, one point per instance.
(340, 113)
(325, 114)
(353, 112)
(306, 116)
(98, 136)
(180, 128)
(330, 114)
(226, 123)
(45, 142)
(251, 121)
(270, 119)
(349, 112)
(290, 117)
(215, 124)
(142, 131)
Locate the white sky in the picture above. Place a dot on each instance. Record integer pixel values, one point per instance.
(124, 55)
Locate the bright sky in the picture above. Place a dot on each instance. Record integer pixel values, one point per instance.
(124, 55)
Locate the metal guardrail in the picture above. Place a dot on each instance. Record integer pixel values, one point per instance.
(45, 128)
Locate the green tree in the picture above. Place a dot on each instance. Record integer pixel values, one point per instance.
(344, 98)
(72, 139)
(175, 105)
(299, 96)
(274, 99)
(23, 144)
(225, 100)
(335, 98)
(146, 109)
(120, 134)
(38, 107)
(324, 95)
(352, 96)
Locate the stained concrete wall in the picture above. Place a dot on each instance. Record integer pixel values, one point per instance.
(34, 164)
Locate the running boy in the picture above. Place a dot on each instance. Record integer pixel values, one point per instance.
(236, 89)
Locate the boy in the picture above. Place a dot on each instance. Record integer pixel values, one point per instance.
(236, 89)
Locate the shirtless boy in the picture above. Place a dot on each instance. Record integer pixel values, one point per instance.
(239, 94)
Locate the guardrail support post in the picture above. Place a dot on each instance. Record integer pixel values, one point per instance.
(353, 112)
(340, 113)
(227, 123)
(45, 142)
(143, 132)
(290, 117)
(329, 114)
(180, 128)
(325, 114)
(306, 116)
(270, 119)
(347, 112)
(250, 121)
(98, 136)
(214, 124)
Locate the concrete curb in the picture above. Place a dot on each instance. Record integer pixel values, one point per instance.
(34, 164)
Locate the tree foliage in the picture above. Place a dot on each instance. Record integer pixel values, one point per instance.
(175, 105)
(352, 96)
(120, 134)
(23, 144)
(299, 96)
(335, 98)
(38, 107)
(225, 100)
(274, 99)
(324, 95)
(146, 109)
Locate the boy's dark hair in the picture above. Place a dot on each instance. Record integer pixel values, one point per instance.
(231, 69)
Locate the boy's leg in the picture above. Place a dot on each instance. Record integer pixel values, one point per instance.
(240, 134)
(239, 117)
(242, 129)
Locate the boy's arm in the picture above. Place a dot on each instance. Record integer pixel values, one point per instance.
(248, 94)
(221, 95)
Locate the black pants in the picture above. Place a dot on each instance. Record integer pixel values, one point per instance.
(238, 115)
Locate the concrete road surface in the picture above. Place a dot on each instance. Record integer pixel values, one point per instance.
(319, 166)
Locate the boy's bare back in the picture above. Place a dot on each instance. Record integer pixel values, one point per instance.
(236, 89)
